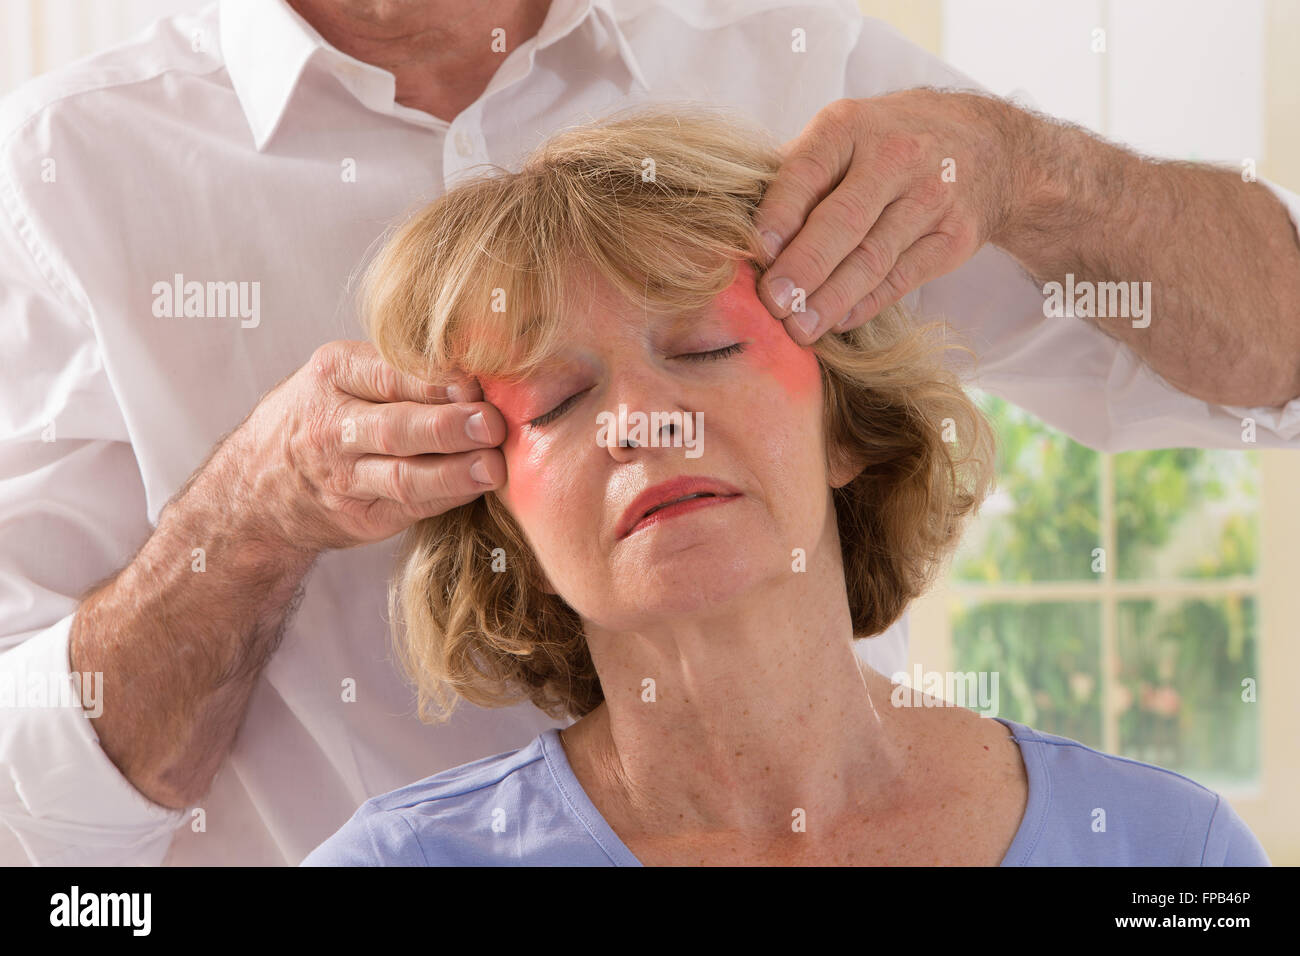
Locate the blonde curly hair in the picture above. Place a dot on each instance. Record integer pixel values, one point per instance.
(659, 201)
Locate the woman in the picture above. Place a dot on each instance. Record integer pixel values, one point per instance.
(697, 613)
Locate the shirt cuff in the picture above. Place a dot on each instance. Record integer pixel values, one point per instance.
(65, 800)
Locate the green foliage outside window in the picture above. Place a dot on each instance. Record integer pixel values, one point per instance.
(1179, 515)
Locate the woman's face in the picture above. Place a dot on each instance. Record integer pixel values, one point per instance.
(760, 435)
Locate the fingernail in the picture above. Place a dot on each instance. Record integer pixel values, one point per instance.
(477, 428)
(478, 471)
(771, 242)
(807, 321)
(456, 393)
(782, 292)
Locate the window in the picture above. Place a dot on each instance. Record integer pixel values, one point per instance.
(1143, 603)
(1117, 596)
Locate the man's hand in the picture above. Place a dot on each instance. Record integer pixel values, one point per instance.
(347, 450)
(344, 451)
(878, 196)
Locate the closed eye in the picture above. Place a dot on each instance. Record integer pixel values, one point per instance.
(713, 356)
(555, 412)
(716, 354)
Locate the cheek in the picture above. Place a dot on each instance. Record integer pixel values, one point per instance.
(541, 482)
(525, 453)
(525, 471)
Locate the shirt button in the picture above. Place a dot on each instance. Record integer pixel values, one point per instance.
(463, 144)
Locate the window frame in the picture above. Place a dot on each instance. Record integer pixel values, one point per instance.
(1268, 804)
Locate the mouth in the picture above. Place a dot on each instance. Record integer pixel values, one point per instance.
(679, 496)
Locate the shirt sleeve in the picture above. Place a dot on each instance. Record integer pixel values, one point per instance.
(1230, 842)
(1065, 371)
(72, 512)
(371, 838)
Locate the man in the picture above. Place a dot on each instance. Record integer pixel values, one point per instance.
(181, 216)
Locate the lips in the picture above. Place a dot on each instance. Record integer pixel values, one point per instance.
(665, 493)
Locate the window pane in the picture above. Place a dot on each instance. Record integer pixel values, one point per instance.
(1186, 513)
(1041, 522)
(1048, 660)
(1179, 688)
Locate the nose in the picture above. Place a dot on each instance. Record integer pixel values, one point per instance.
(647, 409)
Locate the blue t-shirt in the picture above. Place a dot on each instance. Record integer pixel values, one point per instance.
(526, 807)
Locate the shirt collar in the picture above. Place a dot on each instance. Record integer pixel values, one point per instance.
(267, 45)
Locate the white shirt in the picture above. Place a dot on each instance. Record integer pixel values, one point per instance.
(217, 147)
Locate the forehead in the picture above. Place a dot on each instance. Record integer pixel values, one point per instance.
(599, 301)
(592, 308)
(600, 309)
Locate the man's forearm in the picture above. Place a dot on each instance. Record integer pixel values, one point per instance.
(1221, 255)
(181, 648)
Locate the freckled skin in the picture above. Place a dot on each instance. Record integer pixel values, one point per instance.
(761, 433)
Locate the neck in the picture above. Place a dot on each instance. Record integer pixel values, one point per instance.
(762, 696)
(439, 52)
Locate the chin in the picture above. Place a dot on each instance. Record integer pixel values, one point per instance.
(694, 579)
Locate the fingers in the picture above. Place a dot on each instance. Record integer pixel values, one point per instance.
(928, 258)
(862, 220)
(411, 428)
(837, 250)
(465, 389)
(831, 225)
(411, 448)
(857, 316)
(812, 165)
(427, 484)
(357, 369)
(867, 267)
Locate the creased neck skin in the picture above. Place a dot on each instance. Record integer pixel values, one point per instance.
(760, 711)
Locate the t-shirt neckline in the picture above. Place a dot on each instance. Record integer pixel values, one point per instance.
(576, 797)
